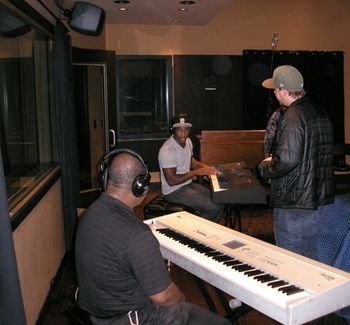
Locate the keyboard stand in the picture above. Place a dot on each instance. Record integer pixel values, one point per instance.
(233, 216)
(231, 314)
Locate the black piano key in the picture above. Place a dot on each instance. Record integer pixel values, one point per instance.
(217, 257)
(207, 250)
(214, 253)
(285, 289)
(269, 279)
(277, 284)
(233, 262)
(204, 250)
(290, 289)
(296, 290)
(200, 246)
(265, 278)
(242, 267)
(254, 272)
(222, 258)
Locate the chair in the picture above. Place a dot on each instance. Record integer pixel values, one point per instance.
(160, 207)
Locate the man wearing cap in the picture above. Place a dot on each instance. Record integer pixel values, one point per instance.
(178, 168)
(300, 168)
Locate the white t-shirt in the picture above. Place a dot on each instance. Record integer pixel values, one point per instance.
(171, 155)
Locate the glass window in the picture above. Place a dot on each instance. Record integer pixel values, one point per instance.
(144, 95)
(25, 106)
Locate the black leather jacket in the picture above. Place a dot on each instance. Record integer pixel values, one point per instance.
(301, 167)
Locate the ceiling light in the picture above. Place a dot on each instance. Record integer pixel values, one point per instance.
(187, 2)
(123, 9)
(183, 9)
(176, 21)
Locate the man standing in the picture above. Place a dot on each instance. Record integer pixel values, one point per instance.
(178, 168)
(121, 274)
(300, 168)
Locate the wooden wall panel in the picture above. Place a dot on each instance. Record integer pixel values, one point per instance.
(220, 147)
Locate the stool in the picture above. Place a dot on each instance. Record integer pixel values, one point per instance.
(160, 207)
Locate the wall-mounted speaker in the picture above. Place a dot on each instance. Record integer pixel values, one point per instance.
(86, 18)
(11, 25)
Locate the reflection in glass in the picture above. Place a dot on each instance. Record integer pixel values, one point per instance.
(25, 104)
(89, 90)
(144, 88)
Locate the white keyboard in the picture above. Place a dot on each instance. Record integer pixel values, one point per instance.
(285, 286)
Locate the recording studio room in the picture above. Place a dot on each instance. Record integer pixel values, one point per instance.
(95, 89)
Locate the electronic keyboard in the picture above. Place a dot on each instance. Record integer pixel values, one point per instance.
(236, 185)
(285, 286)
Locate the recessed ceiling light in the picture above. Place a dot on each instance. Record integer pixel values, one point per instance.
(187, 2)
(122, 2)
(183, 9)
(176, 21)
(123, 9)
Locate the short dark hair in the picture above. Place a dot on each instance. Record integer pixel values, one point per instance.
(297, 94)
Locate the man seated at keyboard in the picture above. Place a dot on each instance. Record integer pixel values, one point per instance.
(121, 274)
(178, 168)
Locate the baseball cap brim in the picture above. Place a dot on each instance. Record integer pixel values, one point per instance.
(186, 125)
(268, 83)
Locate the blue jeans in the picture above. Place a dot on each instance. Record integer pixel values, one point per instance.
(197, 197)
(296, 230)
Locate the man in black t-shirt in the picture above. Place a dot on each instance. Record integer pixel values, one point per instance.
(121, 274)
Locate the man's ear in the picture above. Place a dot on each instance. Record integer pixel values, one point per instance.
(285, 92)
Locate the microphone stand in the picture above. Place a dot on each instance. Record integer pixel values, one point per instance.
(275, 40)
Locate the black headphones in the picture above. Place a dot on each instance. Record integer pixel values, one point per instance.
(141, 182)
(179, 119)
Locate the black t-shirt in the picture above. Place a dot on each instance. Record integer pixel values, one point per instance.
(118, 261)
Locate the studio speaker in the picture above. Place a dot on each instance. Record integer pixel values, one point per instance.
(11, 25)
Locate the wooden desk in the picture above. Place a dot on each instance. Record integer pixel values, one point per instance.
(220, 147)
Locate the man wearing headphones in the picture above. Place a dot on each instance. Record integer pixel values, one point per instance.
(121, 274)
(178, 168)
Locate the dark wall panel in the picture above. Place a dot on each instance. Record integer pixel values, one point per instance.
(148, 149)
(323, 81)
(209, 89)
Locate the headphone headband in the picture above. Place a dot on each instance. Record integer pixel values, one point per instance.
(141, 182)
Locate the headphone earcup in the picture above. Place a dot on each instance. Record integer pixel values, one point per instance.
(103, 177)
(140, 185)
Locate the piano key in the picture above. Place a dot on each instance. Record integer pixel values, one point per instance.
(294, 291)
(255, 272)
(277, 284)
(233, 262)
(289, 289)
(214, 253)
(265, 278)
(223, 258)
(243, 267)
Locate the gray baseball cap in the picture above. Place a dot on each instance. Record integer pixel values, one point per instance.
(286, 77)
